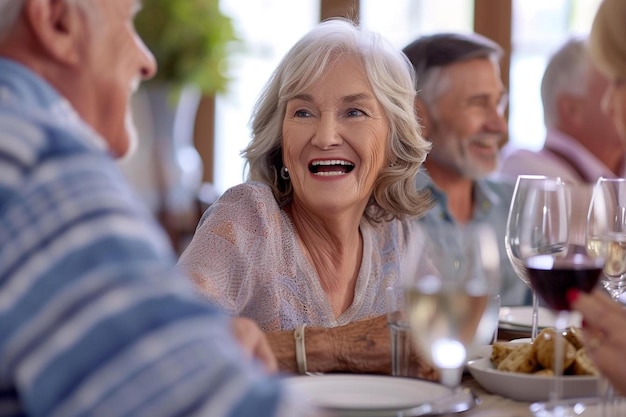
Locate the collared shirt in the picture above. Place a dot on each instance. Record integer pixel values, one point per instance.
(491, 207)
(562, 156)
(93, 317)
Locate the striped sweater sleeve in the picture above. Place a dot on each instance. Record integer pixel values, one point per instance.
(94, 320)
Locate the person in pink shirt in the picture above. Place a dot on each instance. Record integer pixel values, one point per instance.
(581, 143)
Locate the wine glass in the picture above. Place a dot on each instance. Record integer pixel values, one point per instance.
(516, 250)
(446, 303)
(606, 234)
(607, 231)
(554, 233)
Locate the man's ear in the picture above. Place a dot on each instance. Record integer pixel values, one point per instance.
(424, 117)
(58, 27)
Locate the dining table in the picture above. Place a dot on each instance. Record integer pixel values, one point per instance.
(506, 400)
(491, 405)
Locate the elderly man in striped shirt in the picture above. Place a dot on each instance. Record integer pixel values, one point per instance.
(92, 318)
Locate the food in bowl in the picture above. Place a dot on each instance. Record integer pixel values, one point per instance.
(538, 357)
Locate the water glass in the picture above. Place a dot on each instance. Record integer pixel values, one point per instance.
(487, 331)
(446, 304)
(398, 331)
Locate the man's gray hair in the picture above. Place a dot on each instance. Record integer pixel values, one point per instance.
(429, 54)
(566, 72)
(9, 11)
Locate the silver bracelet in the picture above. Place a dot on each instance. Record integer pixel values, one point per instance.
(298, 336)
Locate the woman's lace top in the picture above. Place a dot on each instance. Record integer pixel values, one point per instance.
(245, 256)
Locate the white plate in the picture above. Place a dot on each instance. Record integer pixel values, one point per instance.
(367, 395)
(522, 316)
(526, 387)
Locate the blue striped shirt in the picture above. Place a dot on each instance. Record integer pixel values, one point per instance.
(94, 320)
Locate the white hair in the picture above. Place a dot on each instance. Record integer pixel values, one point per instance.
(391, 78)
(566, 72)
(9, 11)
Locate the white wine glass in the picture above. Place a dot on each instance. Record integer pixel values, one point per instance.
(516, 226)
(446, 303)
(606, 229)
(606, 234)
(554, 235)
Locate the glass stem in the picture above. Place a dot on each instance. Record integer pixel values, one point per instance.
(535, 323)
(559, 352)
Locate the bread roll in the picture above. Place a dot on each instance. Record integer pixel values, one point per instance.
(544, 372)
(583, 365)
(574, 336)
(499, 351)
(521, 359)
(544, 346)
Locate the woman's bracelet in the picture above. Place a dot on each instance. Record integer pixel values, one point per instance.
(298, 335)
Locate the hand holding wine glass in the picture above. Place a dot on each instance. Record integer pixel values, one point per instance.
(446, 304)
(605, 346)
(606, 234)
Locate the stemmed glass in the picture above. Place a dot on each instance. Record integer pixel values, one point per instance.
(606, 234)
(606, 230)
(517, 250)
(554, 235)
(446, 303)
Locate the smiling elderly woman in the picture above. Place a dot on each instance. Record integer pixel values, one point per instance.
(320, 228)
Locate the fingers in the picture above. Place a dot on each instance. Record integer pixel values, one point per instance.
(254, 342)
(599, 311)
(605, 346)
(264, 353)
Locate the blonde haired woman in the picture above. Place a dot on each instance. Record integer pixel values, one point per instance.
(604, 319)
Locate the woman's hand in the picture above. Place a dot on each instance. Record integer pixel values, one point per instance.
(359, 347)
(604, 338)
(365, 346)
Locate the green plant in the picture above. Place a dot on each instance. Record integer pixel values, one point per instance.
(189, 39)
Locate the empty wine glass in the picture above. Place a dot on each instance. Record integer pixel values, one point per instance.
(607, 231)
(554, 235)
(516, 225)
(446, 303)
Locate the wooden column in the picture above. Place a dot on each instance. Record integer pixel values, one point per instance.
(342, 8)
(492, 18)
(204, 135)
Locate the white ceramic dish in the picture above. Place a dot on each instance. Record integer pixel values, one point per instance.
(526, 387)
(369, 395)
(522, 316)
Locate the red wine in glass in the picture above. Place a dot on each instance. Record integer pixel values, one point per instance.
(552, 277)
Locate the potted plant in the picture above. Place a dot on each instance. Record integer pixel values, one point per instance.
(189, 40)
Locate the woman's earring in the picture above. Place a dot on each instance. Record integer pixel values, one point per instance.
(284, 173)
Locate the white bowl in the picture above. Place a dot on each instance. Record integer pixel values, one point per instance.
(528, 387)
